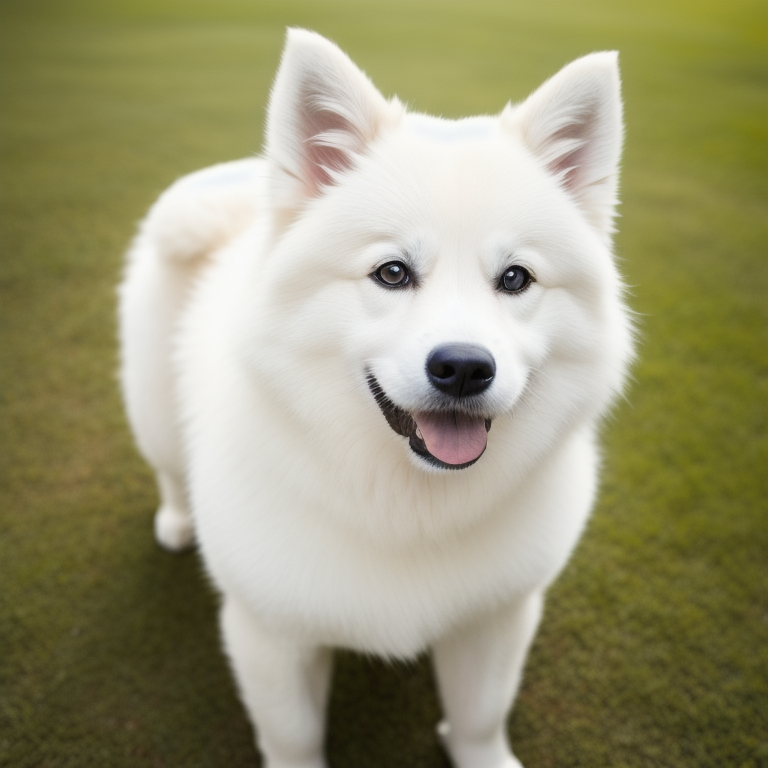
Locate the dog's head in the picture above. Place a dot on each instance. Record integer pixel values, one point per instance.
(456, 273)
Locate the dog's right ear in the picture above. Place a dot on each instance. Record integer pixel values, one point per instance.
(323, 112)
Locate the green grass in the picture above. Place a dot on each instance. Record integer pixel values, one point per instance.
(654, 647)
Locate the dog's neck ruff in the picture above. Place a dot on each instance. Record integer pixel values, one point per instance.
(447, 439)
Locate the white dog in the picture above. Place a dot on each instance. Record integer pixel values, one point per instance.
(368, 370)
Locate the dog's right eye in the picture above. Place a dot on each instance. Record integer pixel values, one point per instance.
(393, 274)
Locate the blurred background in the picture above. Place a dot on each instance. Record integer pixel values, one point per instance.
(654, 646)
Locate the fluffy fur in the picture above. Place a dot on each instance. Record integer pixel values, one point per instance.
(289, 399)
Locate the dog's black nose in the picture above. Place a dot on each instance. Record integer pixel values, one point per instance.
(461, 370)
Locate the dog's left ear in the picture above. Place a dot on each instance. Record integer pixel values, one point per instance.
(323, 111)
(573, 125)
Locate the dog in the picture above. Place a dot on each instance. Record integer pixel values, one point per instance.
(368, 369)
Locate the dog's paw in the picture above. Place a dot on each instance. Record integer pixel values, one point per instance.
(174, 530)
(503, 759)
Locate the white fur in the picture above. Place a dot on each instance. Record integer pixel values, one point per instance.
(249, 320)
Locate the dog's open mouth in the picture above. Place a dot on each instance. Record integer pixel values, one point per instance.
(446, 439)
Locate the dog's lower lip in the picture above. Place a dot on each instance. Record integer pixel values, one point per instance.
(402, 423)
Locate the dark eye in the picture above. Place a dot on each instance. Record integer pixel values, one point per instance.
(515, 279)
(393, 274)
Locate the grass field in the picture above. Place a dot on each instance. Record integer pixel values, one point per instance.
(654, 648)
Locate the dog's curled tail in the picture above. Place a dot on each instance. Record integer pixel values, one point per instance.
(200, 213)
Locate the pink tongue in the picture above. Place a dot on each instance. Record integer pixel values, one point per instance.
(453, 438)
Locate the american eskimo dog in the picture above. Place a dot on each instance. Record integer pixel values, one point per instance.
(368, 370)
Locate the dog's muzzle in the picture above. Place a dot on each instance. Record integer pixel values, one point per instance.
(449, 438)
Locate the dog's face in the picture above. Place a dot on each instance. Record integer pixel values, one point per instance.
(455, 273)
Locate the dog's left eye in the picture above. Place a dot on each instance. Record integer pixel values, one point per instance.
(393, 274)
(515, 279)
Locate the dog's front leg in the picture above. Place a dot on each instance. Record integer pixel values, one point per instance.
(284, 686)
(478, 669)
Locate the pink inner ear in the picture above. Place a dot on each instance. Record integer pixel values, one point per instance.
(573, 155)
(329, 141)
(320, 162)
